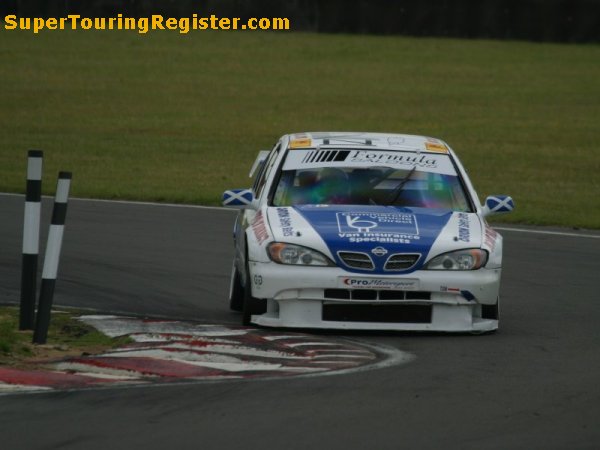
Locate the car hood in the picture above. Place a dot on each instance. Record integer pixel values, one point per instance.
(376, 231)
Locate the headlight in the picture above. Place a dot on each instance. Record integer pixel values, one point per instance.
(283, 253)
(469, 259)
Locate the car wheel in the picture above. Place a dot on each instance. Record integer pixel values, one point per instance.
(252, 305)
(236, 290)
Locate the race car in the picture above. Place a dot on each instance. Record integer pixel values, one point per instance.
(365, 231)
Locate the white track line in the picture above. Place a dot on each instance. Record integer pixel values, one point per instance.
(554, 233)
(170, 205)
(220, 208)
(133, 202)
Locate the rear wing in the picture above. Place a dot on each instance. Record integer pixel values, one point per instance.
(260, 160)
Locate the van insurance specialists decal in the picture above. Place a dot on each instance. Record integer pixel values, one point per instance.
(397, 228)
(374, 230)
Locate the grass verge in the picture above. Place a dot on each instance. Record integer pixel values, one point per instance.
(66, 337)
(167, 117)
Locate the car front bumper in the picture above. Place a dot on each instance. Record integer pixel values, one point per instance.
(329, 297)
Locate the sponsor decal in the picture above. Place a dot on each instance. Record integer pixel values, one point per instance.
(379, 251)
(490, 238)
(307, 158)
(398, 228)
(364, 228)
(449, 289)
(380, 283)
(464, 227)
(260, 228)
(392, 158)
(285, 221)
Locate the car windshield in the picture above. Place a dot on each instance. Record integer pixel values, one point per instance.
(411, 185)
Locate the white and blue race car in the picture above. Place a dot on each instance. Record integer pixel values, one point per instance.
(365, 231)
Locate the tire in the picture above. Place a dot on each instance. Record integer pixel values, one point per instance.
(252, 305)
(236, 291)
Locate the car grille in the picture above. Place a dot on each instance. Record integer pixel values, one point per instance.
(372, 294)
(378, 313)
(357, 260)
(401, 261)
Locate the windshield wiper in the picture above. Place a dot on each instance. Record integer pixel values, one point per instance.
(393, 197)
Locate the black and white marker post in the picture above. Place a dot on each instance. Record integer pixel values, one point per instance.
(51, 258)
(31, 239)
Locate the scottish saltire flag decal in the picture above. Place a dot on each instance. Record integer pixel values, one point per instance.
(376, 231)
(499, 204)
(237, 197)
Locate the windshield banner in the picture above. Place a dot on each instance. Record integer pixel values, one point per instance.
(424, 162)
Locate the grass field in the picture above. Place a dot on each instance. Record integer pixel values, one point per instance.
(179, 118)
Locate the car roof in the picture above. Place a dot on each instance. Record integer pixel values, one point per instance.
(375, 141)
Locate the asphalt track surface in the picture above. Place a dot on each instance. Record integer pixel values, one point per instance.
(533, 384)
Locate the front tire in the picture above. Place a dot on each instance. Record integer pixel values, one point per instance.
(236, 290)
(252, 305)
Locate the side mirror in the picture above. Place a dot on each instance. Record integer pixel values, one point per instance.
(238, 198)
(498, 204)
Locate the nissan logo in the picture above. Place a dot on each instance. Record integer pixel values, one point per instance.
(379, 251)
